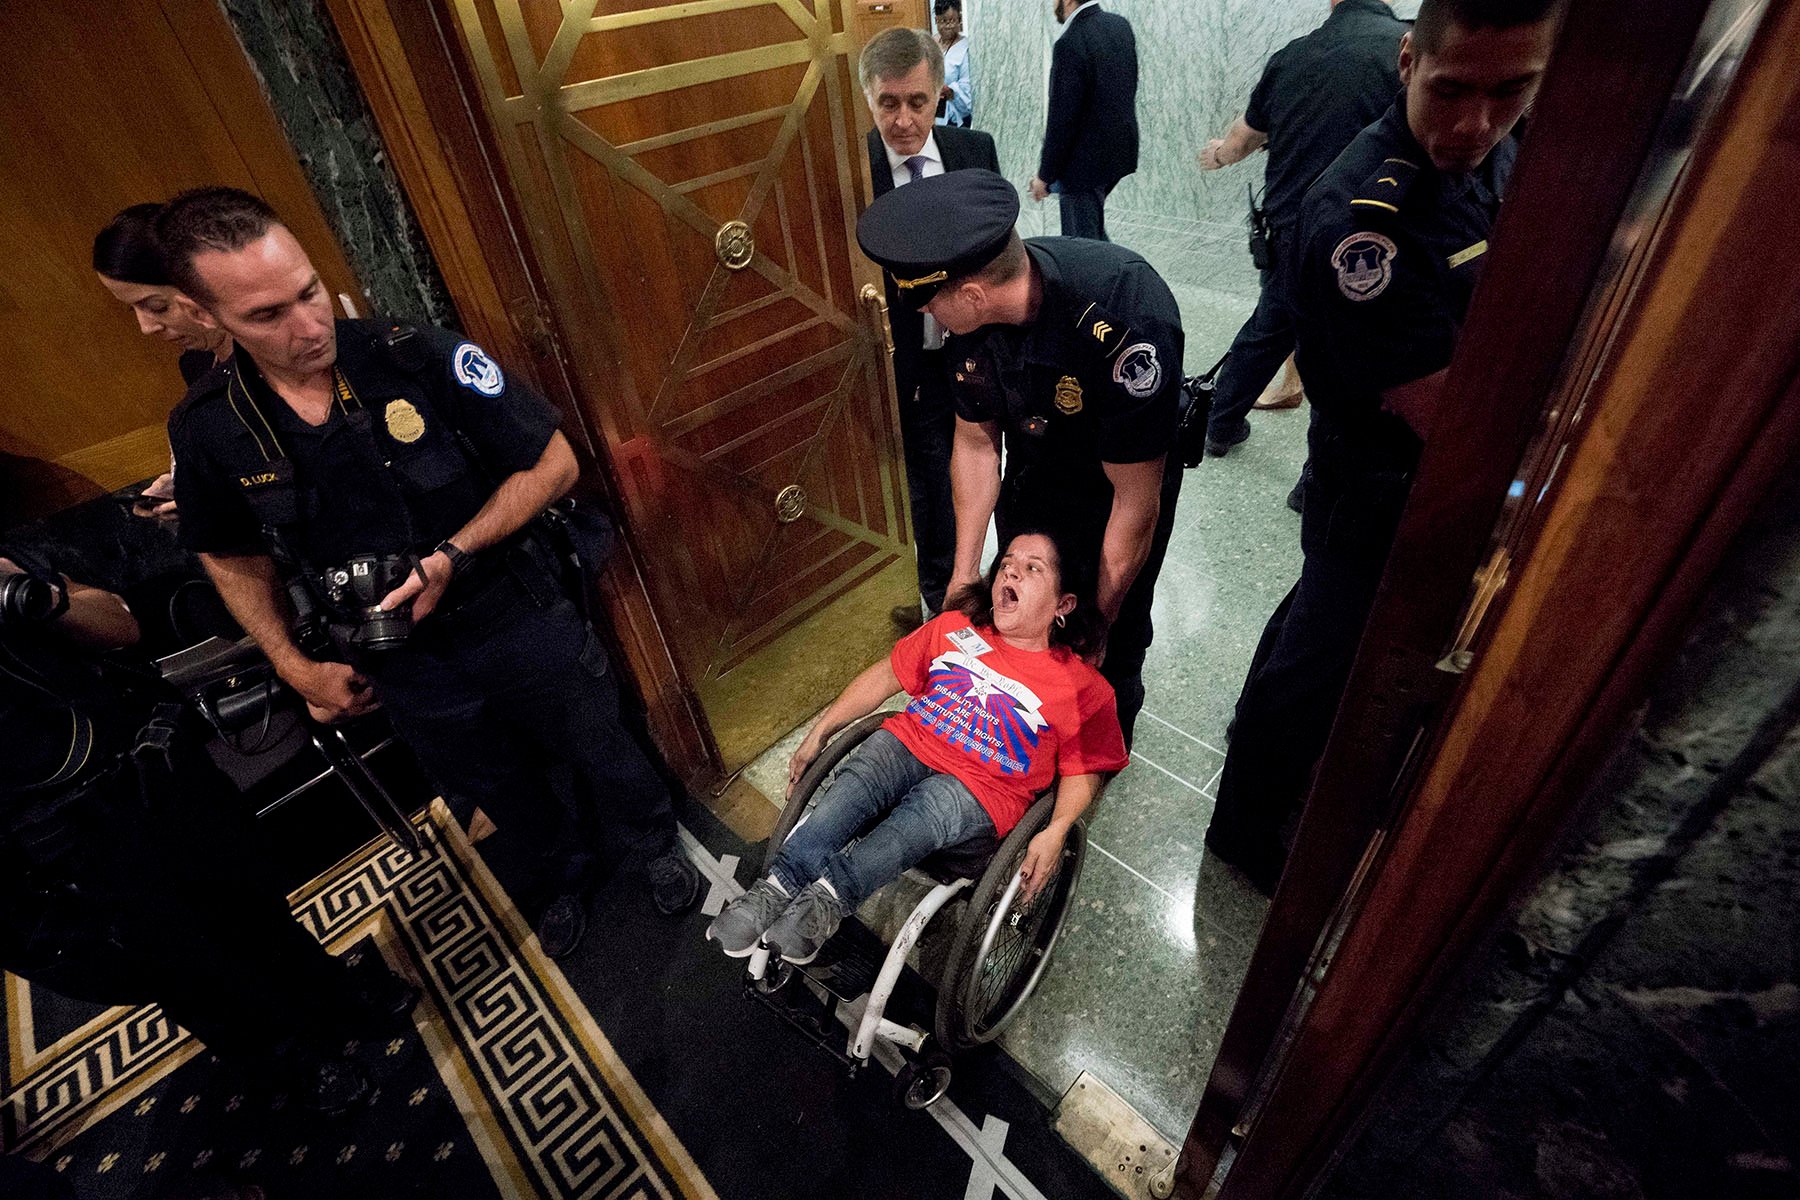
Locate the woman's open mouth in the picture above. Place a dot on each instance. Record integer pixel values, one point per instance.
(1009, 596)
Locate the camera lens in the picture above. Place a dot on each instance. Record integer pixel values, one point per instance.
(25, 598)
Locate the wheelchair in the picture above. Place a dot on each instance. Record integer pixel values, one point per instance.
(999, 952)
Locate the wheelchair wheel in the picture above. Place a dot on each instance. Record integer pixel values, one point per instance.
(1002, 947)
(849, 738)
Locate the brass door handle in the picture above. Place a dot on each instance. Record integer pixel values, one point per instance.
(876, 309)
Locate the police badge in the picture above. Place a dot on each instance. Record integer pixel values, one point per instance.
(404, 422)
(1068, 395)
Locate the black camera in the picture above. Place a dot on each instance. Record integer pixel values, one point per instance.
(26, 599)
(355, 591)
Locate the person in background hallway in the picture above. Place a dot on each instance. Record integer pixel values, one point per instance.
(347, 447)
(128, 259)
(1068, 351)
(901, 71)
(956, 101)
(1091, 139)
(1315, 95)
(1390, 245)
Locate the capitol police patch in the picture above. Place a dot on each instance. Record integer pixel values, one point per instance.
(1365, 265)
(1137, 370)
(476, 371)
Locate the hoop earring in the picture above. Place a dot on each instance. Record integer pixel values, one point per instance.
(1061, 620)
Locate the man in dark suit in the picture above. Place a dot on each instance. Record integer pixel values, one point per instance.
(1091, 140)
(902, 74)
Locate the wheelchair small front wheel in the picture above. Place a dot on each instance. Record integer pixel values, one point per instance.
(775, 976)
(922, 1082)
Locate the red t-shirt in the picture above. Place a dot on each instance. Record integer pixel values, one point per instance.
(1005, 722)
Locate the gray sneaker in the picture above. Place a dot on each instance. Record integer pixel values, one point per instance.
(740, 926)
(807, 924)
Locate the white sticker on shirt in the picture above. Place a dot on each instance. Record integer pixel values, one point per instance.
(1365, 265)
(476, 371)
(969, 642)
(1138, 370)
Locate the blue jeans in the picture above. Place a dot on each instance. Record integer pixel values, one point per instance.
(918, 809)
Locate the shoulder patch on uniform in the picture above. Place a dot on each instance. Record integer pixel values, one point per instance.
(1387, 187)
(1101, 331)
(1138, 370)
(476, 371)
(1364, 263)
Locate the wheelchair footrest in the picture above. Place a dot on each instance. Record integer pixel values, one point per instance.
(813, 1016)
(848, 964)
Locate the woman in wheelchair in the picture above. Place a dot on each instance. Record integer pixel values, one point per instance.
(1002, 704)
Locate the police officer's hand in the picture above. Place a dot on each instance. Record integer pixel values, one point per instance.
(1095, 657)
(1039, 190)
(423, 592)
(335, 692)
(1209, 157)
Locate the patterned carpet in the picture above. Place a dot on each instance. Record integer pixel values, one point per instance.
(505, 1087)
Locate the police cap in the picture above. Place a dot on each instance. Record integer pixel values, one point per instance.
(938, 229)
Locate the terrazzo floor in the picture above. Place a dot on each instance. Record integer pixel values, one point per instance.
(1151, 961)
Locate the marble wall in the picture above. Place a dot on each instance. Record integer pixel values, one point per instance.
(294, 49)
(1197, 61)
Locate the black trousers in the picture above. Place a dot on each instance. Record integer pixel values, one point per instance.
(1261, 346)
(927, 433)
(511, 706)
(1303, 660)
(1083, 212)
(177, 906)
(1083, 525)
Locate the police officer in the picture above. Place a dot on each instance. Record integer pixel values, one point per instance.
(345, 447)
(1068, 354)
(1392, 241)
(1316, 94)
(129, 873)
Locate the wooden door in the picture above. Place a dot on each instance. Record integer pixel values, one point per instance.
(98, 115)
(688, 174)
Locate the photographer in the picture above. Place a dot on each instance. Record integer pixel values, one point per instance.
(399, 473)
(127, 866)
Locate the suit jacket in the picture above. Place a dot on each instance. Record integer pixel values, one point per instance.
(1091, 139)
(961, 149)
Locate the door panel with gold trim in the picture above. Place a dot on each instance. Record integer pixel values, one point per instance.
(688, 172)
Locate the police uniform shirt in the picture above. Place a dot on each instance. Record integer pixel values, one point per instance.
(1391, 250)
(1318, 92)
(389, 471)
(1092, 380)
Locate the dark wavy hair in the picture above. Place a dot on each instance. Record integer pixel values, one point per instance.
(1082, 629)
(128, 249)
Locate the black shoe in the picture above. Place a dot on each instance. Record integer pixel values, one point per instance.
(384, 999)
(1219, 444)
(1261, 867)
(674, 882)
(332, 1086)
(1297, 495)
(906, 616)
(559, 930)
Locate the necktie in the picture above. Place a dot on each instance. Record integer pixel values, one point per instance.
(916, 164)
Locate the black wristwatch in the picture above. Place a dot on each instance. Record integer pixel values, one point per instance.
(459, 558)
